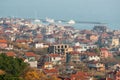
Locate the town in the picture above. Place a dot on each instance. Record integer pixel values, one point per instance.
(61, 51)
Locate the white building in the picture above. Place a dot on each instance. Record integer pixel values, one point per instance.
(31, 63)
(93, 57)
(54, 58)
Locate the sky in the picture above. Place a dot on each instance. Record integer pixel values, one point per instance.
(107, 11)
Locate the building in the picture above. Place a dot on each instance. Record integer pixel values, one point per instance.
(104, 53)
(94, 37)
(100, 28)
(73, 56)
(60, 49)
(48, 65)
(110, 42)
(96, 65)
(92, 57)
(54, 58)
(117, 76)
(80, 76)
(11, 54)
(30, 58)
(3, 43)
(114, 75)
(51, 72)
(89, 56)
(115, 42)
(40, 45)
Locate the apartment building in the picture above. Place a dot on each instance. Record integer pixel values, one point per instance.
(59, 48)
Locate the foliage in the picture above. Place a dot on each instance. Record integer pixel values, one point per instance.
(9, 77)
(13, 67)
(53, 78)
(34, 74)
(2, 72)
(97, 51)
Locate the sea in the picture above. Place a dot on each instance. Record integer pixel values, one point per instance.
(83, 26)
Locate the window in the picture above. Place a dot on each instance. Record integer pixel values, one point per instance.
(58, 50)
(65, 46)
(62, 46)
(58, 46)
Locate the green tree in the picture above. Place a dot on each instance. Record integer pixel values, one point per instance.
(97, 51)
(13, 67)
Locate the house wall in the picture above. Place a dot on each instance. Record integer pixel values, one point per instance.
(94, 37)
(96, 58)
(48, 66)
(33, 63)
(55, 60)
(39, 45)
(60, 48)
(104, 54)
(97, 65)
(117, 78)
(75, 57)
(3, 45)
(115, 42)
(31, 58)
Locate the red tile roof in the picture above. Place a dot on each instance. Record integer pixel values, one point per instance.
(93, 62)
(92, 54)
(39, 36)
(11, 54)
(103, 49)
(79, 76)
(30, 54)
(3, 41)
(50, 71)
(82, 73)
(54, 55)
(47, 63)
(104, 35)
(21, 41)
(75, 52)
(109, 79)
(77, 47)
(118, 73)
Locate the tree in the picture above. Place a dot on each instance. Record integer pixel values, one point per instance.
(97, 51)
(2, 72)
(33, 74)
(52, 78)
(13, 67)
